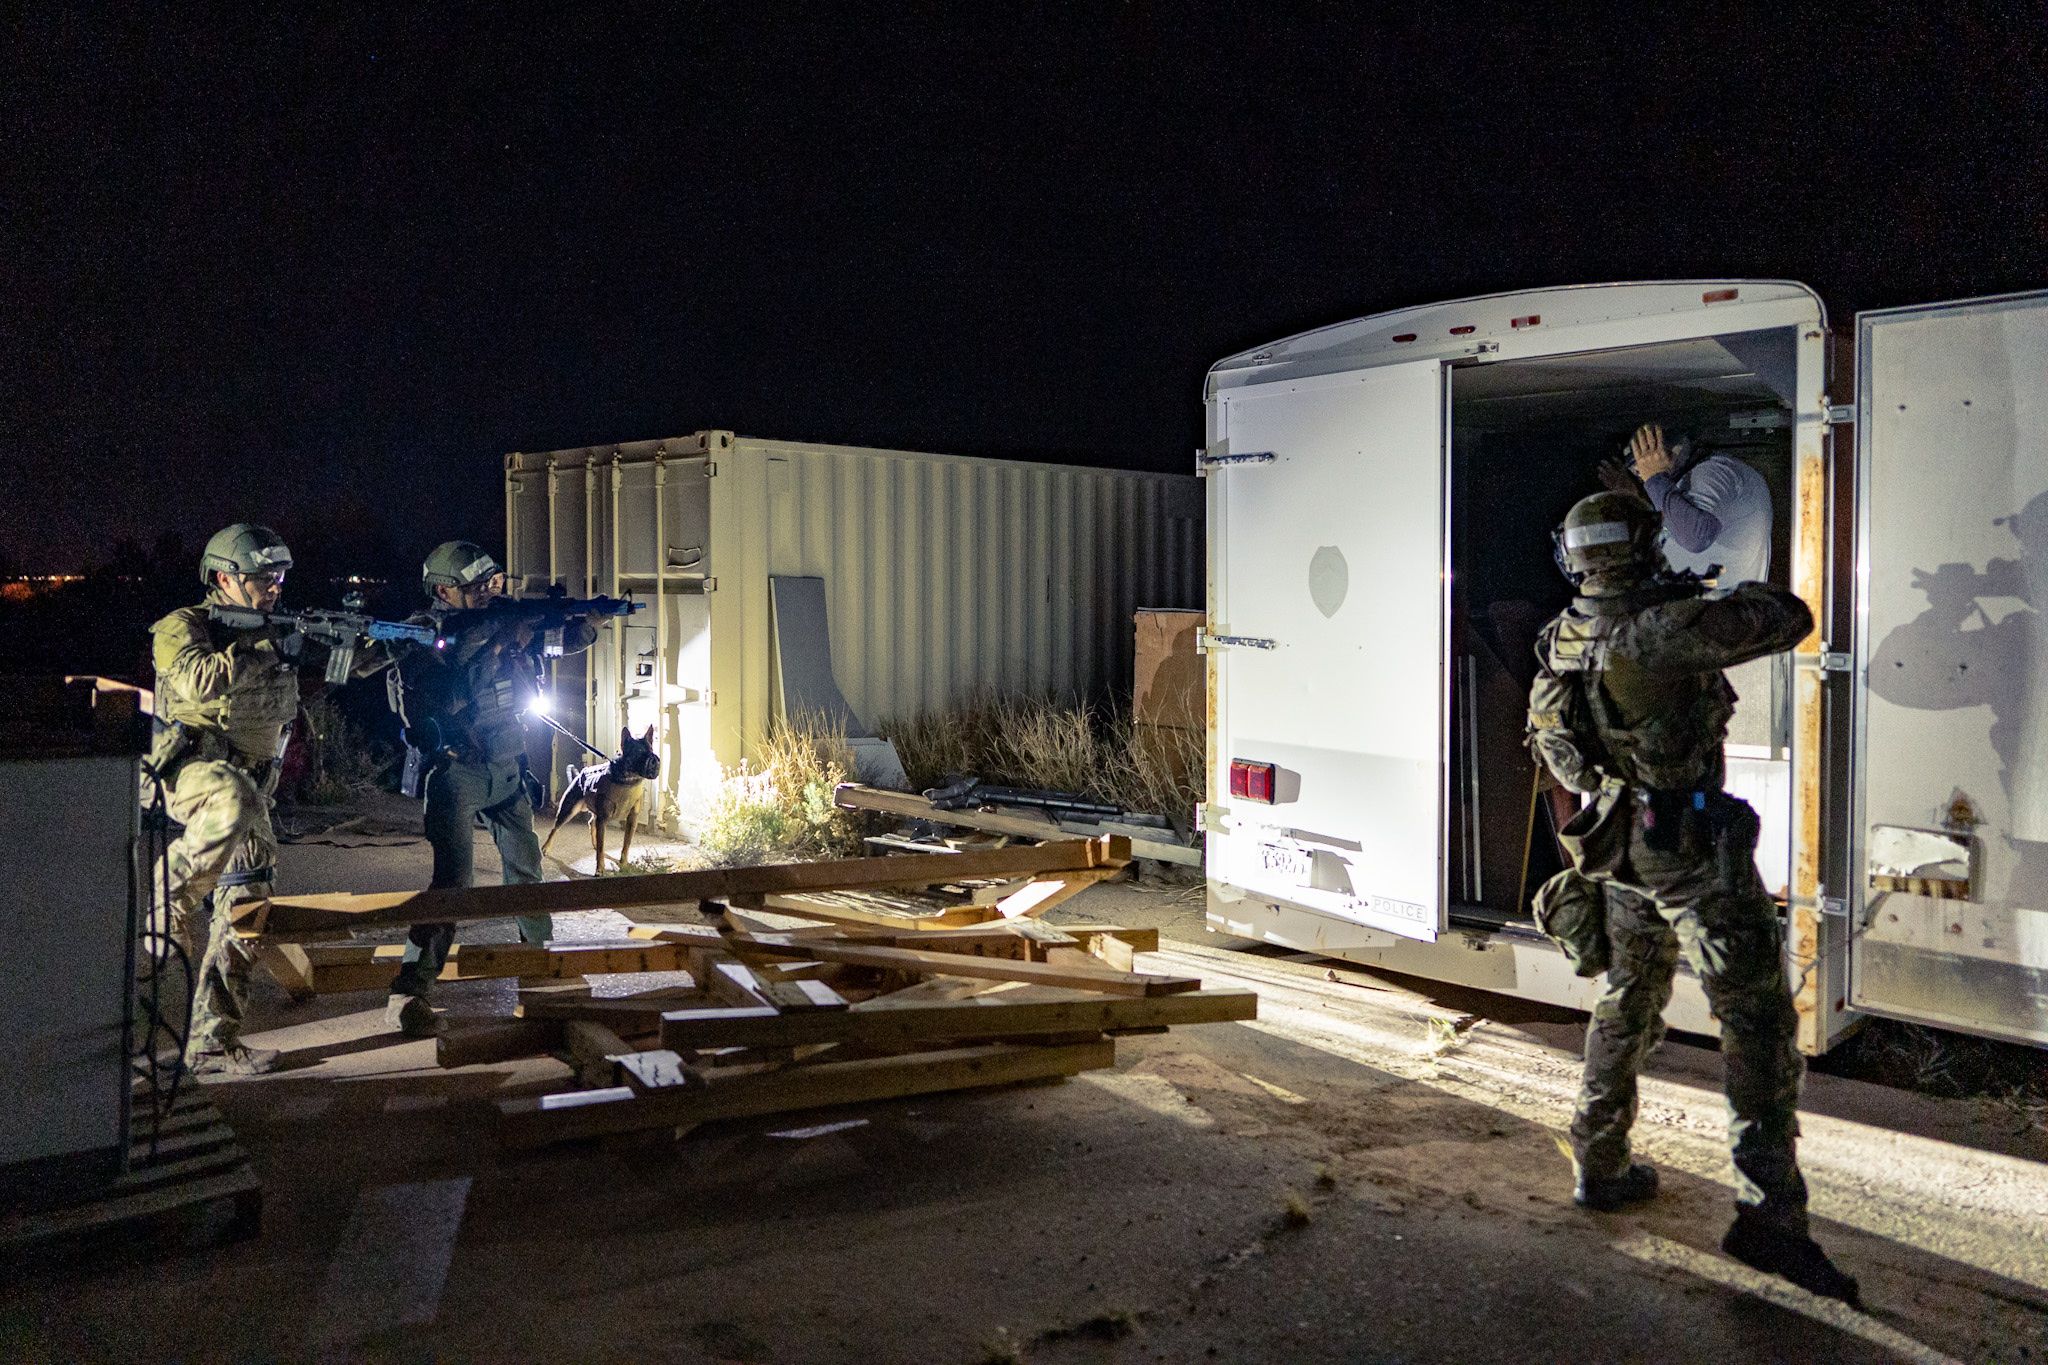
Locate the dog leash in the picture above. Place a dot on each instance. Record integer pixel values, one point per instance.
(559, 729)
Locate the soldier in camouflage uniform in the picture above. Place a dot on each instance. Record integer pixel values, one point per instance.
(225, 699)
(464, 707)
(1630, 705)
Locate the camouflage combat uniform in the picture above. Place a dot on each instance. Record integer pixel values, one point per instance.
(473, 699)
(1630, 705)
(230, 695)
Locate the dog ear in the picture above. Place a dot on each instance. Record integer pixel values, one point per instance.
(625, 735)
(648, 738)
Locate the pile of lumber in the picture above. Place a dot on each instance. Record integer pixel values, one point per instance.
(808, 985)
(778, 1019)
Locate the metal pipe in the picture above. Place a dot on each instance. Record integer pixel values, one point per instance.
(1472, 841)
(589, 585)
(554, 580)
(618, 626)
(660, 616)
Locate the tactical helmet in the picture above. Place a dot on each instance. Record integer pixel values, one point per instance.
(244, 548)
(457, 564)
(1607, 533)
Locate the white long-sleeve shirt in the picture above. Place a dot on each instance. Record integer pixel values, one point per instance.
(1717, 512)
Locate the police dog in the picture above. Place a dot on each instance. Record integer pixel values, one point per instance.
(609, 791)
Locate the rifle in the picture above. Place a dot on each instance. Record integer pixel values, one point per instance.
(339, 631)
(548, 615)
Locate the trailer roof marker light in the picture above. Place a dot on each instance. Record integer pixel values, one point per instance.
(1720, 296)
(1467, 330)
(1253, 781)
(1404, 338)
(1533, 320)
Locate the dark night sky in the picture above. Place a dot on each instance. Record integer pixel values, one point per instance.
(328, 270)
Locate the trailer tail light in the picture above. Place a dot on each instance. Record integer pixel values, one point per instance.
(1720, 296)
(1467, 330)
(1252, 781)
(1405, 337)
(1532, 320)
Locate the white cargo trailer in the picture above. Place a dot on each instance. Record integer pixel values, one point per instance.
(1380, 500)
(940, 575)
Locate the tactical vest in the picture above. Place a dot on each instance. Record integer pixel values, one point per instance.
(244, 722)
(481, 705)
(1657, 730)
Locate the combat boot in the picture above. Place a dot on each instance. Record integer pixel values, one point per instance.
(1606, 1193)
(413, 1017)
(236, 1059)
(1789, 1255)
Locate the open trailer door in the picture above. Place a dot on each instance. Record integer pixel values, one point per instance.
(1949, 842)
(1327, 629)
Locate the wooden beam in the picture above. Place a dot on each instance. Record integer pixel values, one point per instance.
(288, 917)
(592, 1048)
(910, 806)
(625, 1013)
(810, 907)
(341, 967)
(958, 964)
(655, 1070)
(496, 1040)
(882, 1021)
(1035, 898)
(294, 971)
(540, 1120)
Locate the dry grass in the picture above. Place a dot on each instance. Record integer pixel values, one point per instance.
(2009, 1078)
(1041, 743)
(343, 761)
(1295, 1211)
(782, 808)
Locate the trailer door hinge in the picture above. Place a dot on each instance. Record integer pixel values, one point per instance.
(1836, 661)
(1841, 414)
(1834, 905)
(711, 469)
(1204, 642)
(1204, 463)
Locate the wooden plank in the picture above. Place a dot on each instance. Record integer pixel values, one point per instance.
(1035, 898)
(539, 1120)
(890, 1020)
(626, 1013)
(369, 966)
(292, 968)
(735, 984)
(592, 1047)
(1094, 978)
(656, 1069)
(810, 907)
(853, 796)
(287, 917)
(496, 1041)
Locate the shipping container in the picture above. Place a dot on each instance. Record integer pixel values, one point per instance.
(940, 575)
(1381, 496)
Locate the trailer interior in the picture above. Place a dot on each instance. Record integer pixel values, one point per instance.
(1528, 438)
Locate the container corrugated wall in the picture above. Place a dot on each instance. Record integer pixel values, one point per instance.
(943, 574)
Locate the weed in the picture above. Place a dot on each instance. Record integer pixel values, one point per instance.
(1448, 1035)
(1001, 1349)
(1042, 743)
(638, 867)
(783, 808)
(1112, 1324)
(342, 760)
(1295, 1211)
(1326, 1179)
